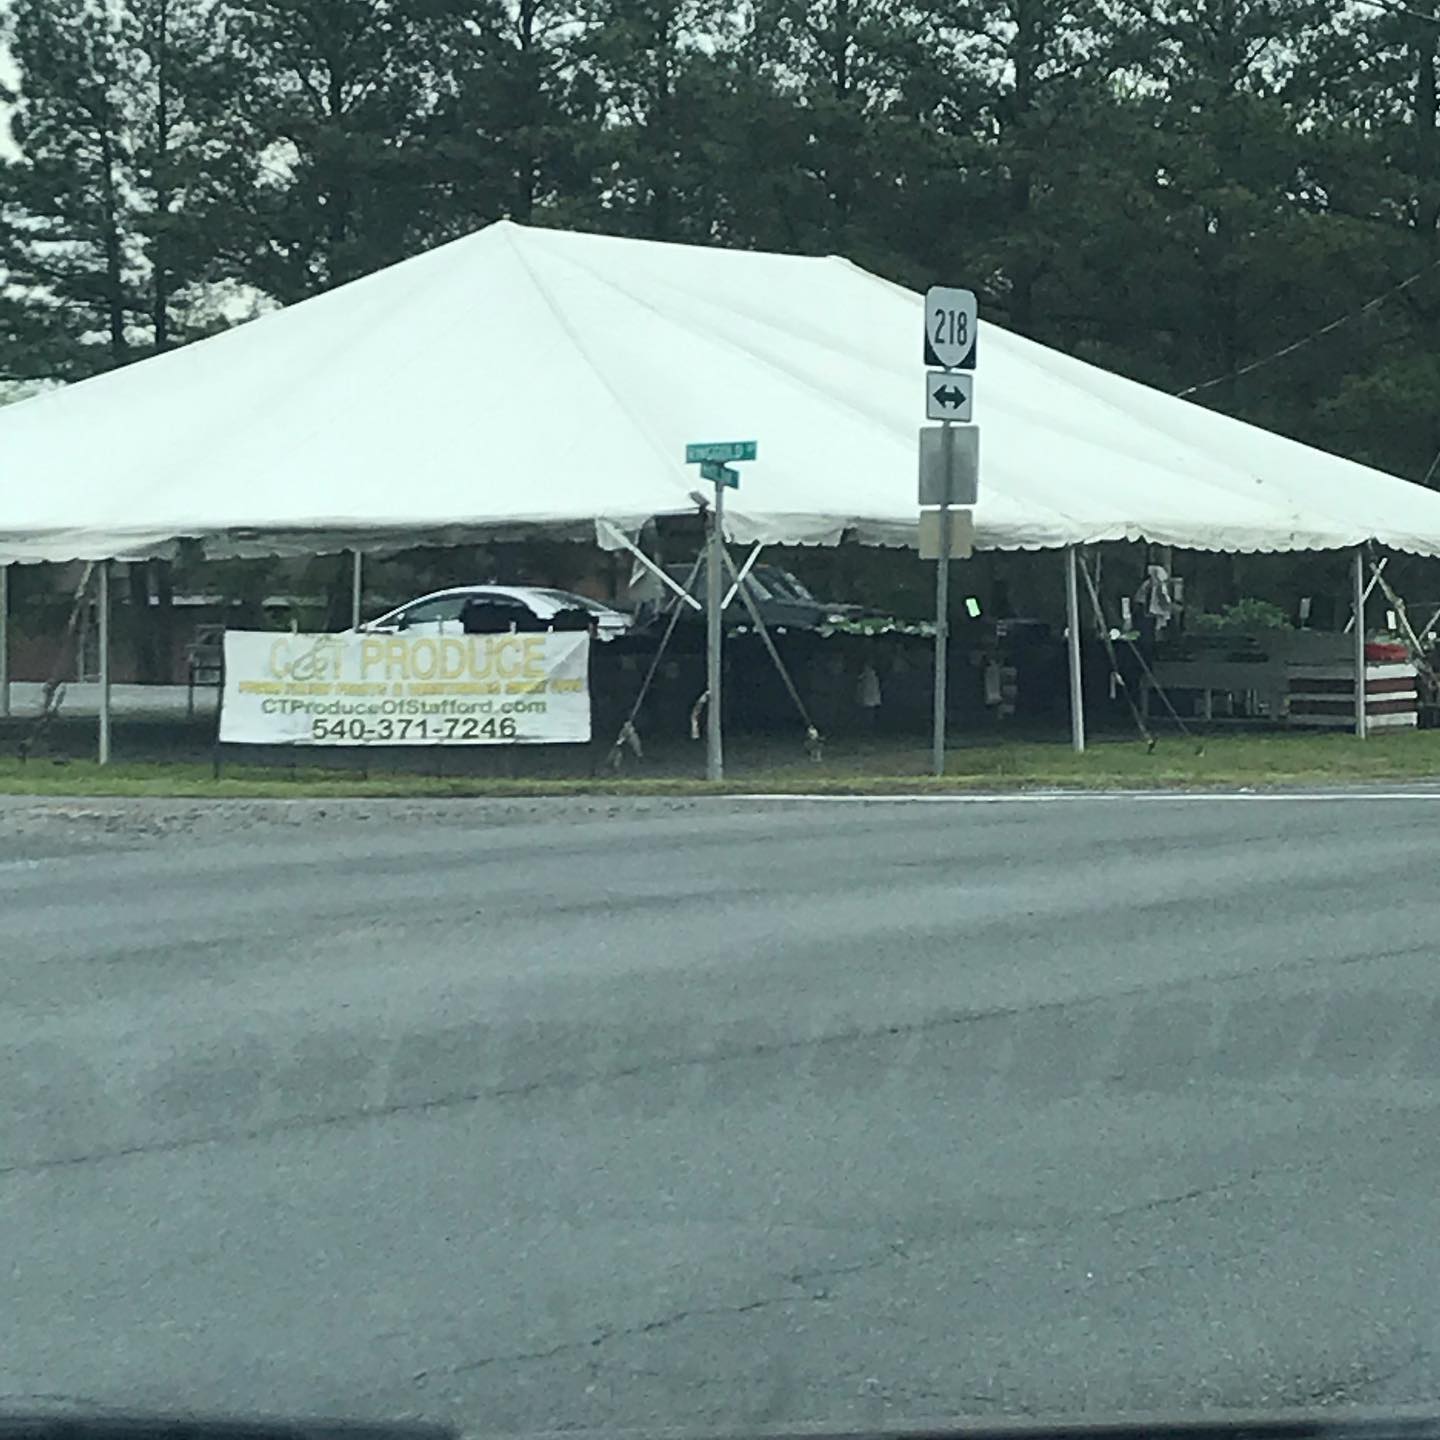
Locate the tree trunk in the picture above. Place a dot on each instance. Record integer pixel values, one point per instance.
(339, 192)
(152, 620)
(527, 160)
(338, 593)
(114, 257)
(142, 629)
(660, 137)
(163, 576)
(164, 195)
(842, 173)
(1427, 137)
(1027, 50)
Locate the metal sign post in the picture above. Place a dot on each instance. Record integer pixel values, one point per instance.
(714, 638)
(949, 458)
(1072, 631)
(4, 641)
(942, 641)
(712, 459)
(1357, 576)
(103, 606)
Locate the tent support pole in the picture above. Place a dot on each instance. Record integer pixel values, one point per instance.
(1072, 626)
(4, 641)
(1378, 571)
(940, 717)
(1357, 580)
(1429, 630)
(357, 580)
(104, 638)
(714, 637)
(626, 543)
(739, 579)
(1407, 628)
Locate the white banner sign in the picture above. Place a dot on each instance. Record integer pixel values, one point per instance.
(283, 689)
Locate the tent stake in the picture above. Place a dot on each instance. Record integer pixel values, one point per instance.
(104, 608)
(1357, 580)
(1072, 619)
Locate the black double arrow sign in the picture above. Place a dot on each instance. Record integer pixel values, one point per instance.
(951, 396)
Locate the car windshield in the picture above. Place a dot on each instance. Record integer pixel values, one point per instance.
(438, 607)
(570, 599)
(782, 583)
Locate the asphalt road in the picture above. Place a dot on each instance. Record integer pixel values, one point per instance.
(684, 1113)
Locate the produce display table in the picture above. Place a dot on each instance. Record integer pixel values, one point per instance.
(1286, 677)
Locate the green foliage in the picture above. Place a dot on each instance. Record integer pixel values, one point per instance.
(1171, 188)
(1244, 615)
(71, 287)
(339, 104)
(107, 221)
(765, 767)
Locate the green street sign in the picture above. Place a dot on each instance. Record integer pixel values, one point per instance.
(720, 474)
(720, 451)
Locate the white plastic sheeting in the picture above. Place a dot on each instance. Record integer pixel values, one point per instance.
(521, 378)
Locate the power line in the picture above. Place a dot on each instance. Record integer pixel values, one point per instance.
(1434, 465)
(1396, 8)
(1329, 328)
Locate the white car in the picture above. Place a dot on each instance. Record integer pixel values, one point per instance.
(439, 613)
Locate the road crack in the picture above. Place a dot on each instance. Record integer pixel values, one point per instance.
(662, 1066)
(802, 1292)
(1342, 1391)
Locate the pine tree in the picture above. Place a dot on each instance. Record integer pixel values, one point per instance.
(866, 92)
(123, 150)
(179, 89)
(120, 127)
(1375, 111)
(339, 104)
(647, 64)
(514, 136)
(1253, 252)
(69, 267)
(1040, 147)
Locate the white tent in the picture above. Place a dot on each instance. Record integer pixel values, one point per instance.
(521, 378)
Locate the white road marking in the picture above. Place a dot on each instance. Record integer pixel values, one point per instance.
(1047, 797)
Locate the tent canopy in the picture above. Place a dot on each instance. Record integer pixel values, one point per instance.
(523, 378)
